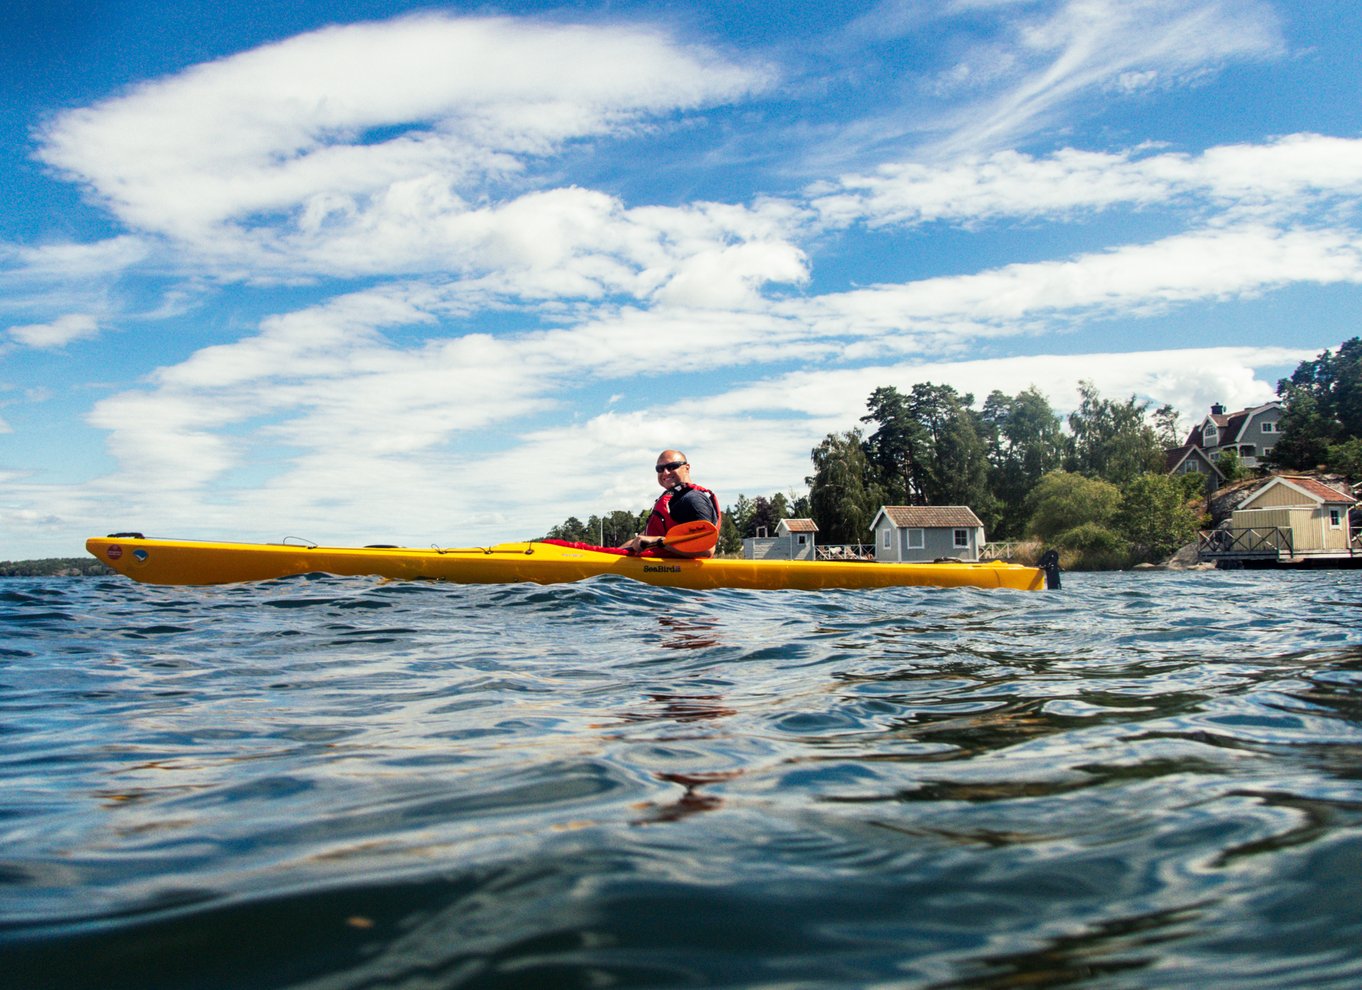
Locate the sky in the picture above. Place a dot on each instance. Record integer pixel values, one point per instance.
(443, 273)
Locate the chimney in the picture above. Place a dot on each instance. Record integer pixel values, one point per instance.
(1217, 410)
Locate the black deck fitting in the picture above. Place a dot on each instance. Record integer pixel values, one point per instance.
(1050, 561)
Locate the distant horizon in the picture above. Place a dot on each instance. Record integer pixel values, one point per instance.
(452, 273)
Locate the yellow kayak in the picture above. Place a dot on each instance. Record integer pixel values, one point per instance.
(194, 562)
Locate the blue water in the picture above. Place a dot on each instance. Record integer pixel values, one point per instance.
(1148, 780)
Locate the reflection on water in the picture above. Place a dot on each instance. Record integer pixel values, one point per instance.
(689, 634)
(679, 708)
(693, 799)
(1138, 781)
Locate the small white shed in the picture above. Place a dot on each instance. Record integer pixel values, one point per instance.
(794, 540)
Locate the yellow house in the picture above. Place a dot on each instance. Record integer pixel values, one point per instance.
(1315, 515)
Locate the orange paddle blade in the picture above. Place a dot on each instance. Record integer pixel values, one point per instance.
(692, 538)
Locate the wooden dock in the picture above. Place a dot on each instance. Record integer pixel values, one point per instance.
(1269, 547)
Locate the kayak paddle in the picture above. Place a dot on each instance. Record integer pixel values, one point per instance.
(692, 538)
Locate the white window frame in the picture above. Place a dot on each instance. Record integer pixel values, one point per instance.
(1335, 518)
(888, 539)
(916, 539)
(803, 539)
(1269, 426)
(960, 539)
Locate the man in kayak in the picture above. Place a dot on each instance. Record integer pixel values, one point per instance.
(683, 501)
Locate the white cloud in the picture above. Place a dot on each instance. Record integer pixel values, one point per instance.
(37, 283)
(58, 333)
(1078, 48)
(325, 409)
(303, 175)
(70, 260)
(946, 313)
(1190, 379)
(365, 133)
(1287, 176)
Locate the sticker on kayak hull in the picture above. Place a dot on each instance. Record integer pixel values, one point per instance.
(140, 554)
(114, 552)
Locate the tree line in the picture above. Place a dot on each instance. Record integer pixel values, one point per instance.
(55, 567)
(1095, 490)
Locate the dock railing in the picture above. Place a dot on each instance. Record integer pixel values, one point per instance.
(845, 551)
(1266, 542)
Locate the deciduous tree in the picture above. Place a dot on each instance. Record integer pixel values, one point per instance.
(1063, 500)
(843, 498)
(1026, 442)
(1156, 516)
(1112, 440)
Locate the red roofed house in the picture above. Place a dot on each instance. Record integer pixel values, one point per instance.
(927, 532)
(1315, 515)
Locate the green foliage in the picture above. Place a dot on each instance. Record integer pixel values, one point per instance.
(843, 495)
(1191, 486)
(572, 529)
(1346, 458)
(1230, 465)
(730, 537)
(750, 515)
(741, 513)
(1063, 500)
(1305, 431)
(897, 450)
(1090, 547)
(1156, 517)
(1112, 440)
(1089, 537)
(1166, 427)
(609, 530)
(929, 447)
(1025, 442)
(1322, 410)
(766, 513)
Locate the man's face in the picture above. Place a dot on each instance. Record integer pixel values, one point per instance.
(672, 469)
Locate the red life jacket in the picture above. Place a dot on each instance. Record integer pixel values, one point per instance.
(661, 520)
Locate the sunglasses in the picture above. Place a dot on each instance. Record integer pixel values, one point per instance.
(671, 466)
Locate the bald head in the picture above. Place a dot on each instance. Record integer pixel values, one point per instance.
(672, 469)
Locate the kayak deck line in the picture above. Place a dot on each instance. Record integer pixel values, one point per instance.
(203, 562)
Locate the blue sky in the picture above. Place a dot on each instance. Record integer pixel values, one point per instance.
(448, 273)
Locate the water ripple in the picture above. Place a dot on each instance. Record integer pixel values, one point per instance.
(1140, 781)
